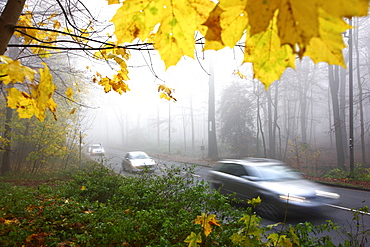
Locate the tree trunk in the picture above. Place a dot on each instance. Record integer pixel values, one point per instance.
(5, 164)
(8, 20)
(192, 126)
(341, 75)
(275, 125)
(360, 98)
(337, 121)
(212, 140)
(272, 150)
(303, 90)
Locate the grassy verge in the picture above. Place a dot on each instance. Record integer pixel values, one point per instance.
(97, 207)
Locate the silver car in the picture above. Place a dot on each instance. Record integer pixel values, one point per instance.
(138, 161)
(96, 149)
(281, 189)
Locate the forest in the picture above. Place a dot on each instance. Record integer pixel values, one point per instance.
(201, 80)
(211, 104)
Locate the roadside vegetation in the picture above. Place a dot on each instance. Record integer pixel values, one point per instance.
(94, 206)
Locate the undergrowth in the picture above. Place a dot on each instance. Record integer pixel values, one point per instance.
(98, 207)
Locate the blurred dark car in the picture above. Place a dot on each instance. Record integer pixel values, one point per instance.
(137, 161)
(281, 189)
(96, 149)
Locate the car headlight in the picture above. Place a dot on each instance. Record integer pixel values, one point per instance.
(327, 194)
(291, 198)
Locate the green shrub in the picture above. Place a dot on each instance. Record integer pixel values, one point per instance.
(361, 173)
(336, 173)
(100, 208)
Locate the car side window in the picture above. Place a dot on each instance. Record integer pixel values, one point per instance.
(234, 169)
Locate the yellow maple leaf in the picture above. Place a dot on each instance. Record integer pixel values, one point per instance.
(39, 100)
(345, 8)
(269, 57)
(297, 22)
(329, 46)
(207, 221)
(213, 34)
(226, 24)
(178, 21)
(117, 83)
(13, 71)
(21, 101)
(260, 14)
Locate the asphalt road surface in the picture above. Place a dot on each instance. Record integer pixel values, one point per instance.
(342, 213)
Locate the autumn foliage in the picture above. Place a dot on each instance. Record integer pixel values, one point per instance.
(271, 33)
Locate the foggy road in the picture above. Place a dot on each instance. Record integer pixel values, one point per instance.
(341, 213)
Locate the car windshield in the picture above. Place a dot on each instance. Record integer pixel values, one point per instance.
(139, 155)
(274, 172)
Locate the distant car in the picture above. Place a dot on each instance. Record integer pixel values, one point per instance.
(96, 149)
(137, 161)
(280, 188)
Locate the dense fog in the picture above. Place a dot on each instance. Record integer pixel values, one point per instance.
(296, 119)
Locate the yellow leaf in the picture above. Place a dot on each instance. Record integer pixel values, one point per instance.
(36, 103)
(166, 92)
(21, 101)
(193, 239)
(260, 14)
(207, 221)
(73, 111)
(269, 57)
(14, 71)
(226, 24)
(164, 96)
(329, 46)
(178, 22)
(83, 187)
(345, 8)
(113, 2)
(69, 92)
(43, 93)
(56, 24)
(255, 201)
(297, 22)
(240, 74)
(280, 240)
(213, 35)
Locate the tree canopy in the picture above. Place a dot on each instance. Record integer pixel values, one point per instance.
(272, 34)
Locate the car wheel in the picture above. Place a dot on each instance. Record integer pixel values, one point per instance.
(268, 210)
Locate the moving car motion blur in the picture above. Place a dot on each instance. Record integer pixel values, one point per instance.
(137, 161)
(281, 189)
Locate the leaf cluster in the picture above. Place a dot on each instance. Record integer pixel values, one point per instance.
(273, 33)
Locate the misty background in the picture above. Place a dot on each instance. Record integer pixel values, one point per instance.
(302, 119)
